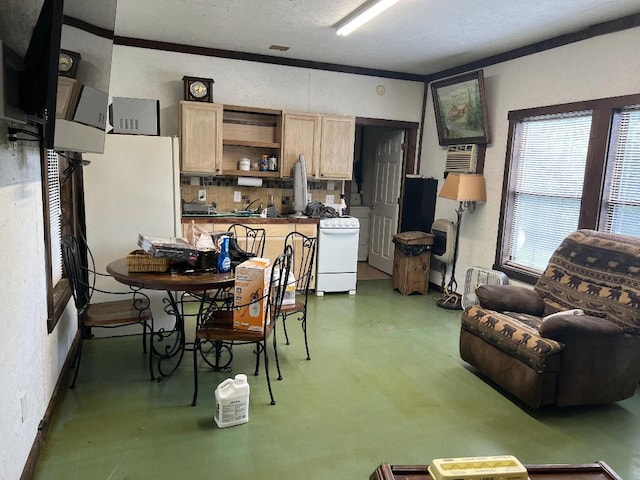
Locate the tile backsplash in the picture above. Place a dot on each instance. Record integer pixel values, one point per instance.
(220, 190)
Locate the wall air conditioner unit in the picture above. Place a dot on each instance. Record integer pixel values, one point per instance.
(461, 158)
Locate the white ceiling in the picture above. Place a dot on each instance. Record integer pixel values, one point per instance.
(414, 36)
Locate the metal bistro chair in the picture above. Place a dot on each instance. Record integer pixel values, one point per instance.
(304, 251)
(250, 240)
(215, 333)
(112, 314)
(244, 242)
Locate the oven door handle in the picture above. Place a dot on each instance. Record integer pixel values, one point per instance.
(339, 231)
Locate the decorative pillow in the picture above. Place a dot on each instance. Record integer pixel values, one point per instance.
(562, 325)
(510, 298)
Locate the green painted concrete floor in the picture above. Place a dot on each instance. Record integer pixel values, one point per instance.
(385, 384)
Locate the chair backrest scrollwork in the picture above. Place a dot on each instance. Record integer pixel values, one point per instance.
(304, 251)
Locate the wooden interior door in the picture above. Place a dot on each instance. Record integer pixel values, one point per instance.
(384, 215)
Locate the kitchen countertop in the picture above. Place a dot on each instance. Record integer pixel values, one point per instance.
(247, 220)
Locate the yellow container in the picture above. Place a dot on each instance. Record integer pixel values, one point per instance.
(500, 467)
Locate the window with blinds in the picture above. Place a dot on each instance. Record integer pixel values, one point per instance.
(548, 164)
(55, 215)
(621, 202)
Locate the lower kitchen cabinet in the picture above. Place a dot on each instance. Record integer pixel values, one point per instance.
(275, 235)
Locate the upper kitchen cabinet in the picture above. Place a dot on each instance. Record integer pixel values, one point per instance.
(301, 135)
(326, 141)
(251, 133)
(201, 138)
(336, 147)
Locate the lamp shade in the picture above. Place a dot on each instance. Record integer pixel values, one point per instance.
(464, 187)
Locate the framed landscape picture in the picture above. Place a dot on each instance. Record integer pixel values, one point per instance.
(461, 109)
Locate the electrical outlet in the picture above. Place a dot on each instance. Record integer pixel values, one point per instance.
(309, 198)
(330, 199)
(237, 197)
(202, 195)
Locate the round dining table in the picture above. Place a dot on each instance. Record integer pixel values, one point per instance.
(182, 288)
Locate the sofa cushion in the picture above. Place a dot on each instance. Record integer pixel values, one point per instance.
(512, 336)
(512, 298)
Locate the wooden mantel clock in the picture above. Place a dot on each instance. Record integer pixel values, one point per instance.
(198, 89)
(68, 63)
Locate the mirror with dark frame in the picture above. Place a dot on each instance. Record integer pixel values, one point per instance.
(87, 30)
(69, 103)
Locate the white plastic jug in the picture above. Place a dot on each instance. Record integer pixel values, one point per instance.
(232, 402)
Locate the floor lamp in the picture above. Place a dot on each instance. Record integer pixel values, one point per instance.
(466, 188)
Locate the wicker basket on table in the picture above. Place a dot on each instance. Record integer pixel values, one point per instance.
(140, 261)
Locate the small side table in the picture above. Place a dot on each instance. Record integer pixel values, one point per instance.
(411, 261)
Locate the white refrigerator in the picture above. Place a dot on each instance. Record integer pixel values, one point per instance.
(132, 188)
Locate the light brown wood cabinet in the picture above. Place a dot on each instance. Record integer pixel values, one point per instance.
(214, 137)
(301, 135)
(200, 138)
(66, 97)
(275, 235)
(336, 147)
(326, 141)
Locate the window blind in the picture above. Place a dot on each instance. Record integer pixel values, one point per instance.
(550, 156)
(621, 204)
(55, 216)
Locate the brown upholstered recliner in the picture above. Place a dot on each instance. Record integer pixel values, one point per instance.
(513, 338)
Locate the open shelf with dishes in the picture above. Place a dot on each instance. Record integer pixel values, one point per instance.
(249, 132)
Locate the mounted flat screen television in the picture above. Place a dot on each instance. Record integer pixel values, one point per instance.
(84, 27)
(31, 38)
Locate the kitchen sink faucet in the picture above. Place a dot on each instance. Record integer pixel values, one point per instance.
(247, 208)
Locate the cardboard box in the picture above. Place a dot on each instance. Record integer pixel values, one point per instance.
(289, 297)
(251, 291)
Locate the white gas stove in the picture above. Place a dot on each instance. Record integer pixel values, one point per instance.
(337, 255)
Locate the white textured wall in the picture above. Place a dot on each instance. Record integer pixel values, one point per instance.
(31, 359)
(606, 66)
(141, 73)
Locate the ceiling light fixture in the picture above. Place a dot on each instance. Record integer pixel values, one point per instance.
(362, 15)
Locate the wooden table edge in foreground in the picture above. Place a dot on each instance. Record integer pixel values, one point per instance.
(167, 280)
(589, 471)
